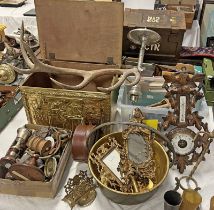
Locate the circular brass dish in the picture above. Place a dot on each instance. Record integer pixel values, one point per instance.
(160, 158)
(7, 74)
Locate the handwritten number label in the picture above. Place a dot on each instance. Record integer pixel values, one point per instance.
(152, 19)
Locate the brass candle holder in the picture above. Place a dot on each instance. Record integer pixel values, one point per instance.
(20, 144)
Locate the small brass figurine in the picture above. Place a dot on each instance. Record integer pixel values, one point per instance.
(80, 190)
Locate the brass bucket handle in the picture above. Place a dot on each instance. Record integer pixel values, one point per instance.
(169, 144)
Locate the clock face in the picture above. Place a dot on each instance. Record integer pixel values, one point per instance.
(182, 140)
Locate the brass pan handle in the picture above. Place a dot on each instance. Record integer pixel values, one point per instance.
(169, 144)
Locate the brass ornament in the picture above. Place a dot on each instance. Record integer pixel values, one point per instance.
(50, 167)
(7, 74)
(137, 163)
(66, 109)
(80, 190)
(183, 91)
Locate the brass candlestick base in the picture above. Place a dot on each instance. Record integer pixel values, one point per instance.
(27, 171)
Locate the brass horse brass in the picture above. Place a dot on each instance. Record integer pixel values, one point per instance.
(80, 190)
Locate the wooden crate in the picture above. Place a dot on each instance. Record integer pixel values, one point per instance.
(177, 5)
(169, 24)
(36, 188)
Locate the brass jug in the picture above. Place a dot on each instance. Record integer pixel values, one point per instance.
(212, 203)
(191, 200)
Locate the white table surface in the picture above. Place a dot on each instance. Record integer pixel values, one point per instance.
(204, 176)
(13, 17)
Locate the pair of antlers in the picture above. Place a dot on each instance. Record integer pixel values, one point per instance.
(36, 65)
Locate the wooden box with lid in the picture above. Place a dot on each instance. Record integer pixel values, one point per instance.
(80, 42)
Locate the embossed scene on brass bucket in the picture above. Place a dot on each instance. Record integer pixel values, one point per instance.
(106, 168)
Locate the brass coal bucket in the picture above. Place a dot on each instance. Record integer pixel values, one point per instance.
(160, 157)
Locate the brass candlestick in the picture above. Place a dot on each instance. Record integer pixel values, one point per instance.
(20, 144)
(143, 37)
(39, 145)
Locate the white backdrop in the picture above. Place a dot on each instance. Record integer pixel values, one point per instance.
(12, 17)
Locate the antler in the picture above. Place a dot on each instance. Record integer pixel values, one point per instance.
(36, 65)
